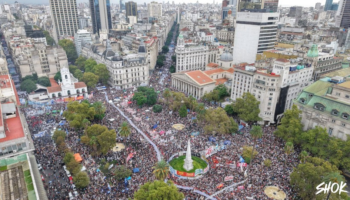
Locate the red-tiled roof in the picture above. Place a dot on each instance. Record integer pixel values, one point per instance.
(185, 29)
(231, 70)
(214, 71)
(265, 74)
(220, 81)
(199, 77)
(53, 82)
(14, 128)
(282, 60)
(54, 89)
(212, 65)
(79, 85)
(5, 81)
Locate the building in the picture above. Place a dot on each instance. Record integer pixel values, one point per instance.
(328, 5)
(258, 6)
(82, 36)
(326, 104)
(225, 3)
(131, 9)
(295, 12)
(121, 5)
(318, 6)
(83, 22)
(100, 15)
(343, 14)
(126, 70)
(190, 57)
(154, 9)
(65, 18)
(31, 57)
(229, 10)
(255, 33)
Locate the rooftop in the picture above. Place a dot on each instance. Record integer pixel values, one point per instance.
(14, 128)
(220, 81)
(199, 77)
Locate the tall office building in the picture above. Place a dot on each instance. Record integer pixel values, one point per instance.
(154, 9)
(258, 5)
(65, 18)
(296, 11)
(318, 6)
(121, 5)
(100, 15)
(131, 9)
(328, 5)
(255, 33)
(225, 3)
(343, 14)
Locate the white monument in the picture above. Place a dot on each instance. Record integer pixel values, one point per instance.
(188, 160)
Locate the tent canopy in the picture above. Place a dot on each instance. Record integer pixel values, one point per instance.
(135, 170)
(77, 157)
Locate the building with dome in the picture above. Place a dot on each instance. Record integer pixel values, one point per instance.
(127, 68)
(226, 60)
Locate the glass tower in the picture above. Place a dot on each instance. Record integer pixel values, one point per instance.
(96, 15)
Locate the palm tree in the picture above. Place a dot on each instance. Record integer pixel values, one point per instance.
(124, 130)
(334, 177)
(303, 156)
(99, 109)
(289, 148)
(161, 170)
(256, 133)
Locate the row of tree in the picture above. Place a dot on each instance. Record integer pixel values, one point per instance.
(217, 95)
(145, 96)
(29, 82)
(80, 178)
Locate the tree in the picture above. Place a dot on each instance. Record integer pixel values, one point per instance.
(183, 111)
(81, 180)
(106, 141)
(57, 134)
(158, 190)
(288, 149)
(58, 76)
(49, 40)
(255, 133)
(100, 110)
(28, 86)
(248, 152)
(44, 81)
(229, 109)
(165, 49)
(90, 79)
(303, 156)
(122, 172)
(222, 89)
(30, 77)
(72, 68)
(167, 95)
(306, 176)
(78, 74)
(217, 122)
(333, 177)
(291, 127)
(145, 95)
(90, 65)
(80, 62)
(267, 162)
(68, 157)
(69, 47)
(172, 69)
(173, 58)
(247, 108)
(157, 108)
(140, 98)
(315, 140)
(160, 63)
(76, 112)
(124, 129)
(161, 170)
(102, 72)
(191, 102)
(73, 166)
(201, 111)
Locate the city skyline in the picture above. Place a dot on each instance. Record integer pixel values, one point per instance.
(303, 3)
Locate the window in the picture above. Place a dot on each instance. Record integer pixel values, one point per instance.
(338, 94)
(319, 106)
(347, 96)
(302, 100)
(330, 131)
(335, 112)
(66, 77)
(343, 124)
(345, 116)
(333, 121)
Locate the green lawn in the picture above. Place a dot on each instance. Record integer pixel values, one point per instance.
(30, 187)
(28, 180)
(3, 168)
(178, 163)
(26, 173)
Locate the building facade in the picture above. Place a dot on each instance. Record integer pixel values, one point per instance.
(328, 5)
(255, 33)
(343, 14)
(65, 18)
(154, 9)
(82, 36)
(100, 15)
(131, 9)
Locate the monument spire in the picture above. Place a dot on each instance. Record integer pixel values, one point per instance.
(188, 165)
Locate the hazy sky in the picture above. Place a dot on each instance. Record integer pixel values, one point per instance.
(305, 3)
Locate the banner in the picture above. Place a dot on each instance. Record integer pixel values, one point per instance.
(228, 178)
(206, 169)
(243, 164)
(79, 98)
(69, 99)
(209, 151)
(129, 157)
(185, 174)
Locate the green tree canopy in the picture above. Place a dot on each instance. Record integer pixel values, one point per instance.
(291, 127)
(122, 172)
(256, 133)
(80, 62)
(161, 170)
(69, 47)
(90, 65)
(68, 157)
(49, 40)
(99, 138)
(44, 81)
(76, 112)
(183, 111)
(78, 74)
(158, 190)
(100, 110)
(106, 140)
(102, 72)
(72, 68)
(90, 79)
(81, 180)
(145, 95)
(28, 86)
(173, 58)
(124, 129)
(57, 134)
(172, 69)
(247, 108)
(157, 108)
(165, 49)
(229, 109)
(58, 76)
(217, 122)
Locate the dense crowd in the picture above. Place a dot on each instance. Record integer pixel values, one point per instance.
(171, 141)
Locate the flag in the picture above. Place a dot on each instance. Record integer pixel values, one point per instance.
(241, 160)
(129, 157)
(109, 187)
(61, 112)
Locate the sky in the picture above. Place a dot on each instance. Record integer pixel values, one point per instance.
(304, 3)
